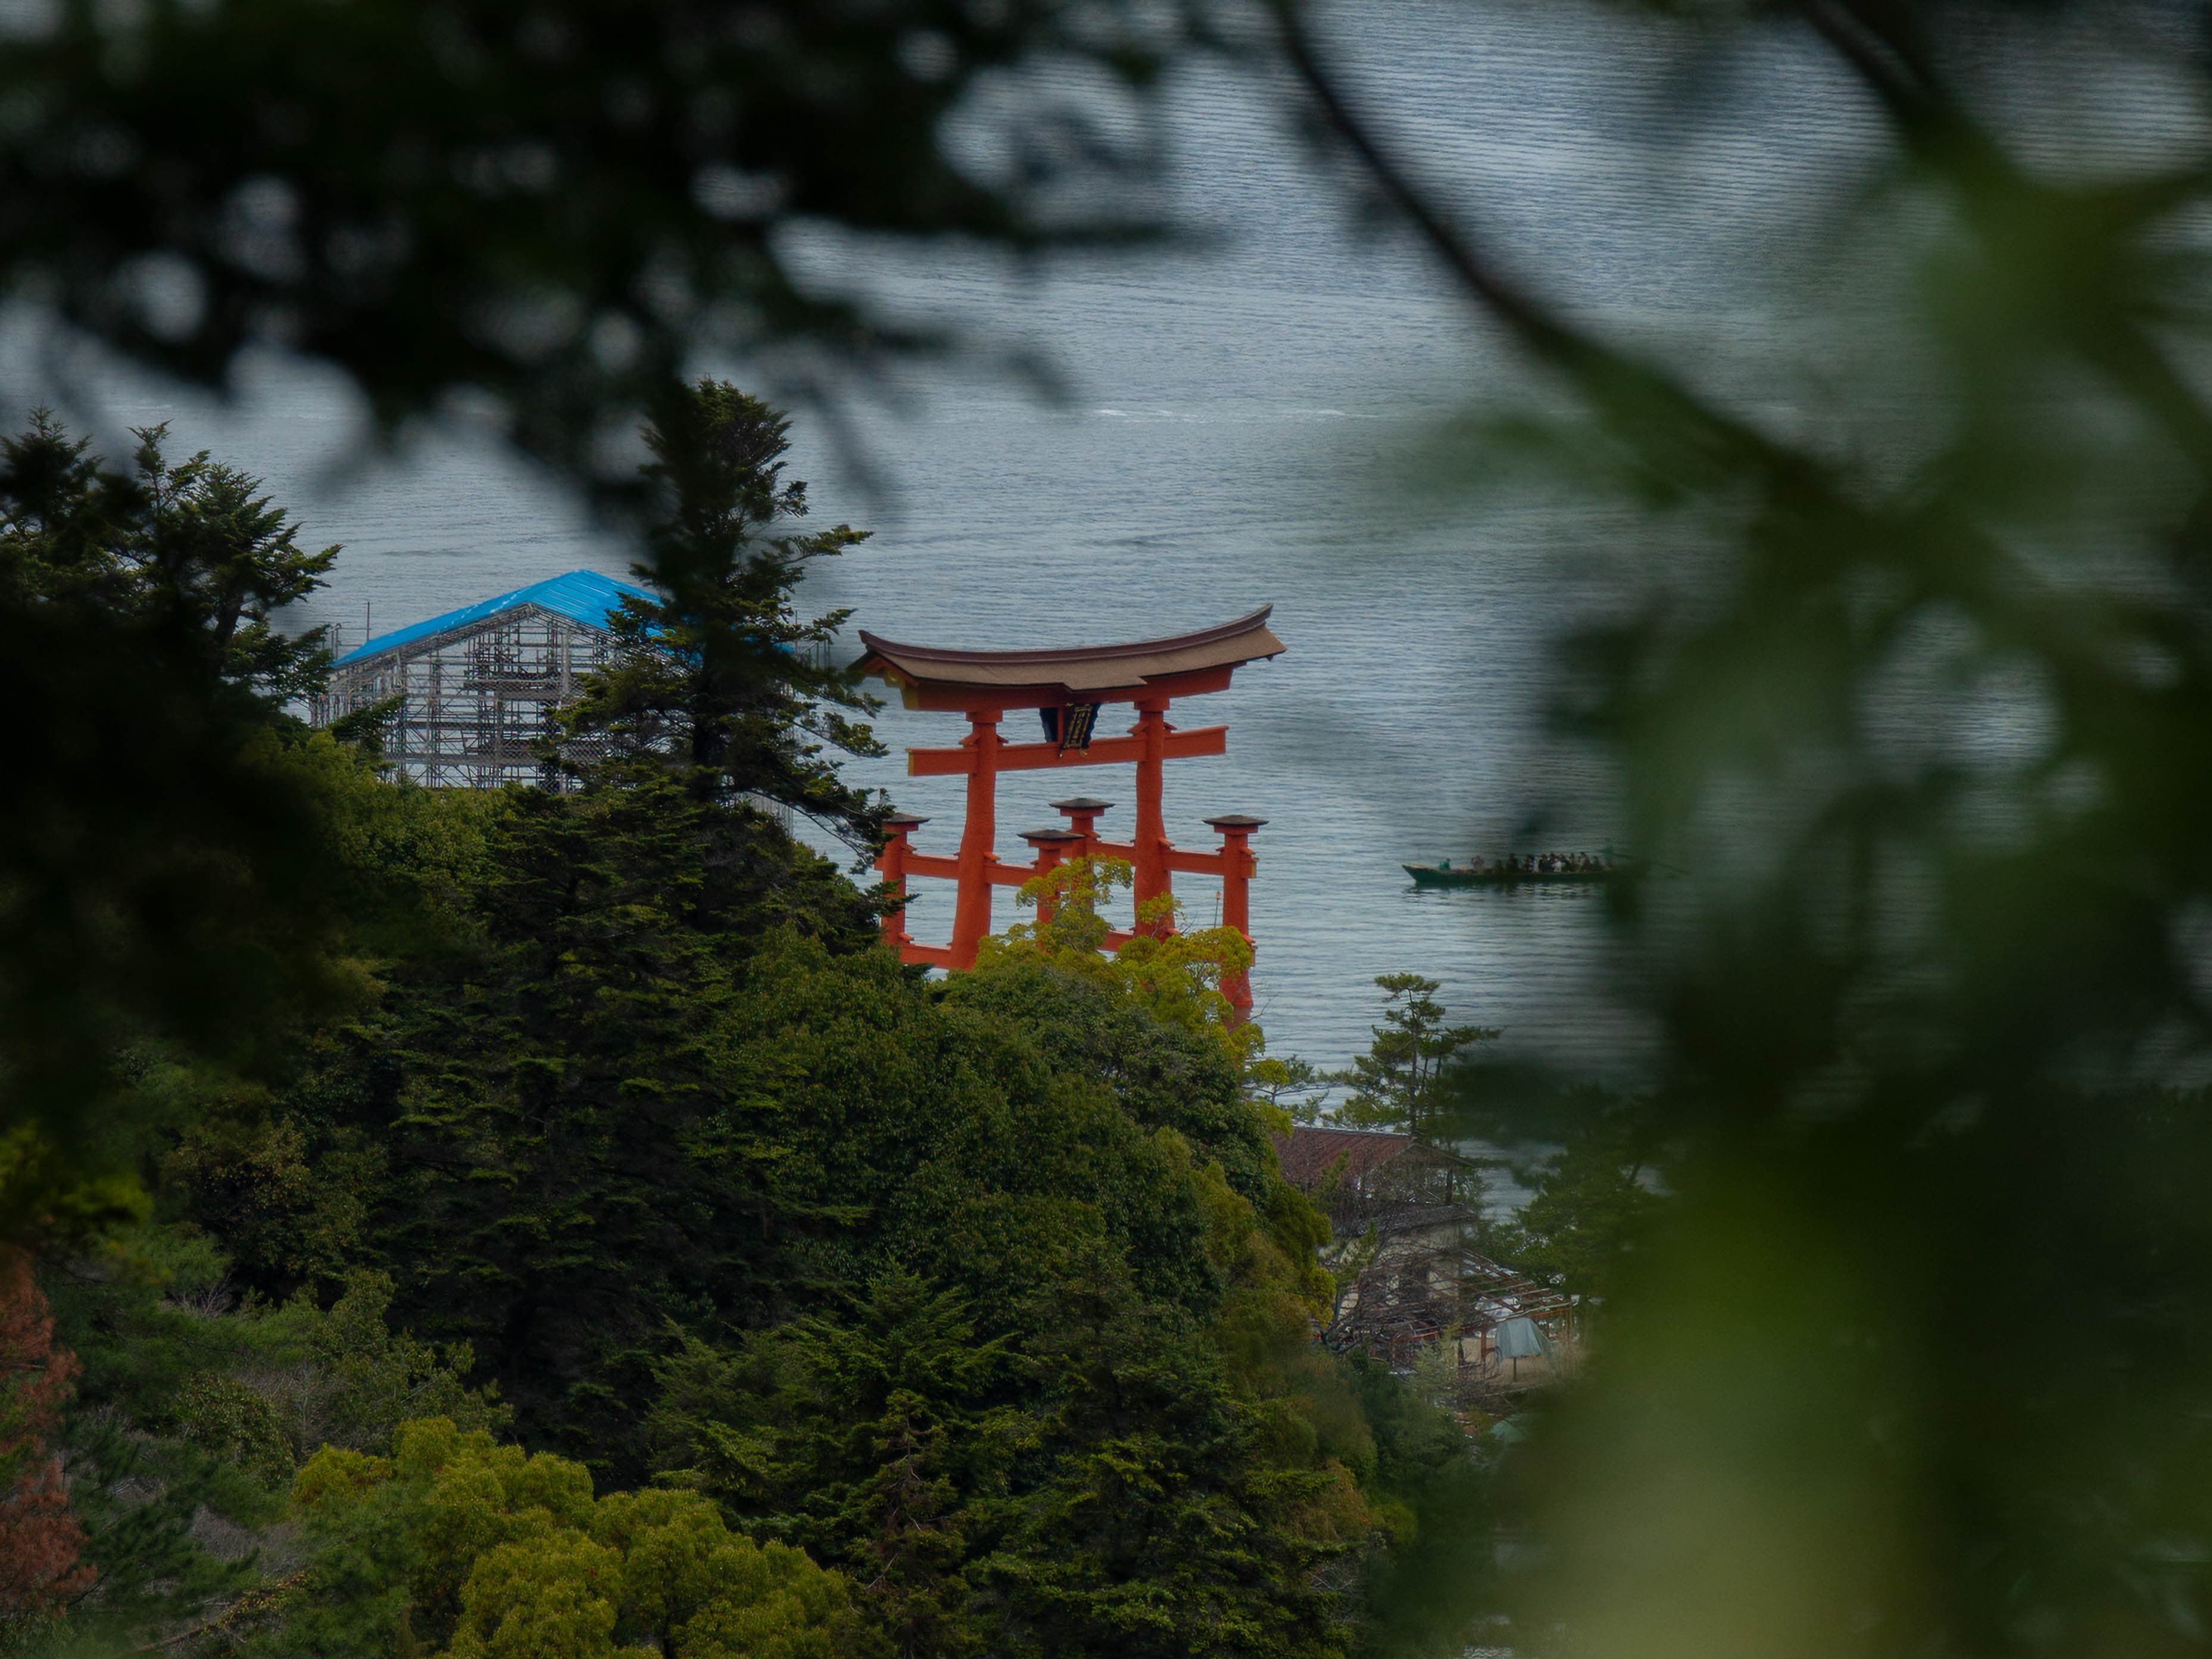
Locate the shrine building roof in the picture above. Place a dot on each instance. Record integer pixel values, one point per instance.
(936, 676)
(1311, 1152)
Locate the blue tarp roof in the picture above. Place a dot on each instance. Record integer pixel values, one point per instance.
(586, 596)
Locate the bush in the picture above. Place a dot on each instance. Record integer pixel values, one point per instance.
(492, 1552)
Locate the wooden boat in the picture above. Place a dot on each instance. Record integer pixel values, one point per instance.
(1448, 874)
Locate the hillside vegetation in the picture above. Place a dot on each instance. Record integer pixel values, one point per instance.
(605, 1245)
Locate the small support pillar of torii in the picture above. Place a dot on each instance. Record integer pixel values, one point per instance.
(1069, 689)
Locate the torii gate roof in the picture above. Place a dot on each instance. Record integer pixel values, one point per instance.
(934, 676)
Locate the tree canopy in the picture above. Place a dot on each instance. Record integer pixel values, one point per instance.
(1399, 1083)
(636, 1253)
(161, 870)
(719, 681)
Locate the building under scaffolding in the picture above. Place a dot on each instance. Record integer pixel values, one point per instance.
(477, 687)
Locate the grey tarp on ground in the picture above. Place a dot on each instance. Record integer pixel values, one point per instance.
(1521, 1339)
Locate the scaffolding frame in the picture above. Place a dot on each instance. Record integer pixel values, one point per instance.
(477, 702)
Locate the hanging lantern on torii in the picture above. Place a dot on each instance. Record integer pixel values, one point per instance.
(1069, 689)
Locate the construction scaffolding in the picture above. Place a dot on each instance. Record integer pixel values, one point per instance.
(1410, 1280)
(475, 689)
(1421, 1289)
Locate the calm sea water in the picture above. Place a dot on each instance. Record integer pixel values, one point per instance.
(1246, 424)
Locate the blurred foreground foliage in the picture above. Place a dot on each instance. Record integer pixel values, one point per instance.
(541, 216)
(1916, 685)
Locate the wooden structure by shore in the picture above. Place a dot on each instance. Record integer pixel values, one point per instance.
(1070, 688)
(1410, 1278)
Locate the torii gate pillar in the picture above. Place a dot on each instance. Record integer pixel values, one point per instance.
(1150, 868)
(971, 917)
(1069, 688)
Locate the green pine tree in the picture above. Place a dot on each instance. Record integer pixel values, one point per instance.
(1396, 1084)
(570, 1169)
(229, 559)
(721, 682)
(193, 545)
(1591, 1211)
(167, 876)
(878, 1438)
(1165, 1522)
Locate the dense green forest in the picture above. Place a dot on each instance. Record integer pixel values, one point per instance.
(597, 1241)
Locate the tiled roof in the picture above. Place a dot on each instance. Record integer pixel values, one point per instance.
(583, 596)
(1307, 1153)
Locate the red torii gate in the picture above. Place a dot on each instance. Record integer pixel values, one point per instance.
(1069, 688)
